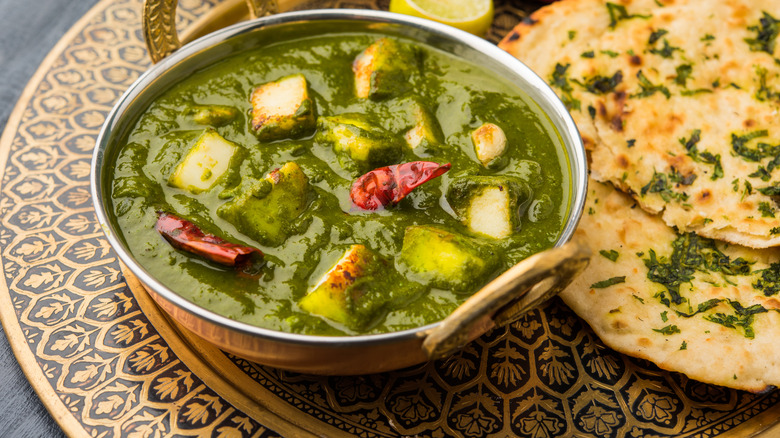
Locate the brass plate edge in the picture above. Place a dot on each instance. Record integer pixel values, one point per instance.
(773, 430)
(24, 356)
(198, 356)
(765, 424)
(252, 390)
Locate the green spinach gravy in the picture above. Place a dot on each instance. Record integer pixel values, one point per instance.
(385, 270)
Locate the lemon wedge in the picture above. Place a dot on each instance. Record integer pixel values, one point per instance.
(473, 16)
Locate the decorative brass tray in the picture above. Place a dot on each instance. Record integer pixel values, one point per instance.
(106, 362)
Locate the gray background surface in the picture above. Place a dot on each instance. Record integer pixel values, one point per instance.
(28, 31)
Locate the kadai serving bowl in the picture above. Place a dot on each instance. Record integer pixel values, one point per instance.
(517, 290)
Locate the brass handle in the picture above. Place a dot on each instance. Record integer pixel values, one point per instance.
(503, 300)
(159, 24)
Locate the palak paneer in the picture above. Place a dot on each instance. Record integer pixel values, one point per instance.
(263, 152)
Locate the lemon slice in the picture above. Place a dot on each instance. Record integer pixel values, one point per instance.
(473, 16)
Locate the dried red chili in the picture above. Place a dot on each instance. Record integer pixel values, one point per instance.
(185, 235)
(389, 185)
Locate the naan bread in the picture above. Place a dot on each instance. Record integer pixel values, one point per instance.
(678, 102)
(687, 303)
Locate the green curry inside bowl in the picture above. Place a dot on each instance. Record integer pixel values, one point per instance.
(262, 149)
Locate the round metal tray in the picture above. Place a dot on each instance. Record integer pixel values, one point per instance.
(107, 362)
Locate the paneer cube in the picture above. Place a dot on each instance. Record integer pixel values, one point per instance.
(205, 163)
(283, 109)
(425, 136)
(489, 143)
(444, 259)
(359, 290)
(360, 144)
(385, 68)
(343, 294)
(265, 210)
(490, 205)
(214, 115)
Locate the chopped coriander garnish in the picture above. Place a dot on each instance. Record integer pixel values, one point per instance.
(666, 51)
(767, 30)
(588, 54)
(611, 254)
(648, 88)
(608, 282)
(638, 298)
(702, 156)
(601, 84)
(572, 34)
(690, 253)
(773, 190)
(761, 173)
(678, 178)
(684, 346)
(775, 162)
(764, 92)
(618, 13)
(748, 190)
(707, 37)
(683, 74)
(656, 35)
(668, 330)
(609, 53)
(769, 283)
(560, 80)
(702, 307)
(664, 318)
(766, 209)
(695, 92)
(739, 145)
(660, 184)
(630, 142)
(742, 317)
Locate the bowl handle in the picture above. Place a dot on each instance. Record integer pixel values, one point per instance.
(159, 24)
(503, 300)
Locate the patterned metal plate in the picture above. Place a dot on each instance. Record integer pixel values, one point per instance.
(107, 362)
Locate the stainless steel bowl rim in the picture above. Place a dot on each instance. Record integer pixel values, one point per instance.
(555, 110)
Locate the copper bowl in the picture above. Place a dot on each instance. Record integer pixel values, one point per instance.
(521, 288)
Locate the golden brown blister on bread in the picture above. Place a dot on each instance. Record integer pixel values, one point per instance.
(637, 315)
(679, 104)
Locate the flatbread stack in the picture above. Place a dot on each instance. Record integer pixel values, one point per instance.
(678, 103)
(688, 303)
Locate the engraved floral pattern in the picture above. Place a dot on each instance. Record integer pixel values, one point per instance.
(438, 399)
(545, 375)
(98, 351)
